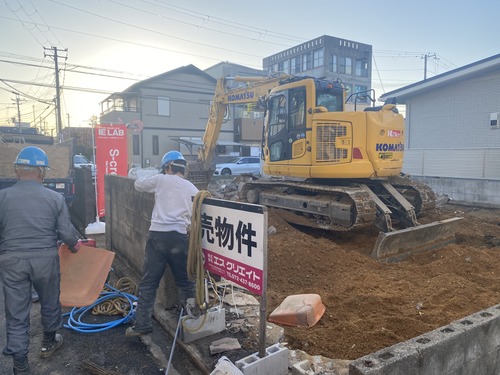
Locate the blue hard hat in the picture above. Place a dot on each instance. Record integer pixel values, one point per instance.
(172, 156)
(32, 156)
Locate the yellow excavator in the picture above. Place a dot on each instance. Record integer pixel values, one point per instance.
(329, 168)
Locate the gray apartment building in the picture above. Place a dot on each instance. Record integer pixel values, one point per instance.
(330, 58)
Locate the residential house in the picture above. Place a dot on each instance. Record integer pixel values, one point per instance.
(453, 132)
(161, 110)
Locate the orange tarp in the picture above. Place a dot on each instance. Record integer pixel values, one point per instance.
(83, 274)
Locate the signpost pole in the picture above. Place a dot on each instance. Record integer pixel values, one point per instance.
(263, 297)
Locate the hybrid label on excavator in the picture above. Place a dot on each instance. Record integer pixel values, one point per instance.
(394, 133)
(389, 147)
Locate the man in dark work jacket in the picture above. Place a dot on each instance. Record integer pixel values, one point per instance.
(32, 220)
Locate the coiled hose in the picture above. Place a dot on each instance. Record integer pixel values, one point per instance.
(110, 302)
(195, 268)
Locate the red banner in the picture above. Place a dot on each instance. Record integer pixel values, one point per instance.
(111, 156)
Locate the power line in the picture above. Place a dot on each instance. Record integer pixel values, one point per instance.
(149, 30)
(210, 19)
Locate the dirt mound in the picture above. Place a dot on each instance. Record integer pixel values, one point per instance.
(370, 305)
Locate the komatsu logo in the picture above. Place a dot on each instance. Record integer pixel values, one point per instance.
(243, 96)
(389, 147)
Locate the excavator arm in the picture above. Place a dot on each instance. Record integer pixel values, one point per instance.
(256, 88)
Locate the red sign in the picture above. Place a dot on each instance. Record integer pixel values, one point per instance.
(234, 242)
(111, 156)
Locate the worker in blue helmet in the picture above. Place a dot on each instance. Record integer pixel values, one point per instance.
(32, 221)
(167, 242)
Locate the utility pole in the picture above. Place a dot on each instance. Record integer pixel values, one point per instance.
(425, 57)
(55, 56)
(17, 100)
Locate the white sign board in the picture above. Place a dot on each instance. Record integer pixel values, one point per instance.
(234, 242)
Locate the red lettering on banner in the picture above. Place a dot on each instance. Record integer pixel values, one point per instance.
(111, 157)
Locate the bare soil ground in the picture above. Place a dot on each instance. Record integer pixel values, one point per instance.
(370, 305)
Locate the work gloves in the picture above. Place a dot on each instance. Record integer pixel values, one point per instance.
(74, 248)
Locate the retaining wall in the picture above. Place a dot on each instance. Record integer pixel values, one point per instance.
(468, 346)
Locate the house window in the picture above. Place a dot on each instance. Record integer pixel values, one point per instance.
(163, 106)
(286, 66)
(136, 149)
(295, 65)
(307, 61)
(318, 58)
(156, 145)
(361, 68)
(333, 64)
(345, 65)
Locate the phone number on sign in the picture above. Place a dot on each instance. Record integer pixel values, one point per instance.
(242, 281)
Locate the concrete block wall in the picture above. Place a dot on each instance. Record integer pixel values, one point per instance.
(468, 346)
(485, 193)
(128, 216)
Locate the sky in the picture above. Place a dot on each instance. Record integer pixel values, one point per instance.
(105, 46)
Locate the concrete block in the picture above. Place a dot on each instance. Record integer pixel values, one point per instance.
(441, 350)
(225, 367)
(302, 368)
(402, 358)
(274, 363)
(486, 365)
(481, 332)
(212, 322)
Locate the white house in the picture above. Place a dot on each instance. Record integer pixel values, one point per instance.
(453, 132)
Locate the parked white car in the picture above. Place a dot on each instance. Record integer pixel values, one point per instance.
(80, 161)
(239, 165)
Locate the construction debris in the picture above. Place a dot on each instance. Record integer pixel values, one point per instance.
(224, 345)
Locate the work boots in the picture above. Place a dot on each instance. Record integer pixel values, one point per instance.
(21, 366)
(50, 343)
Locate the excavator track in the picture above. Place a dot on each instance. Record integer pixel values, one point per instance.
(358, 205)
(427, 198)
(314, 205)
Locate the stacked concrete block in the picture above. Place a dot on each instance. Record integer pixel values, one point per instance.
(274, 363)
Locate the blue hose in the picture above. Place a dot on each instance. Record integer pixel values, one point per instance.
(76, 314)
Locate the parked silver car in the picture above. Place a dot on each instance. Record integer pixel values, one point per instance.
(239, 165)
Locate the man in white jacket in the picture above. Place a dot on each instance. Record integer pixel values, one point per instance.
(168, 241)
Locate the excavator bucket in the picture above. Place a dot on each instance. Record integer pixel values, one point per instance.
(397, 245)
(83, 274)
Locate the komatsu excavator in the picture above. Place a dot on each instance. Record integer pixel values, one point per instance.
(330, 168)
